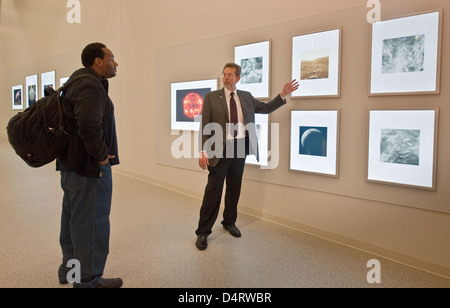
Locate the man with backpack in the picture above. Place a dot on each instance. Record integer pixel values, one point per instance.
(85, 166)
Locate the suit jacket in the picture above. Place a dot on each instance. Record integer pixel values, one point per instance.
(215, 118)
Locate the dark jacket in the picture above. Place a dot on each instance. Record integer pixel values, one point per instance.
(89, 118)
(215, 110)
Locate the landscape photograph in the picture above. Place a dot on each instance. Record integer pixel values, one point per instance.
(315, 64)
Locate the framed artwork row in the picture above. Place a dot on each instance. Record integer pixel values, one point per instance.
(316, 63)
(24, 98)
(405, 59)
(402, 145)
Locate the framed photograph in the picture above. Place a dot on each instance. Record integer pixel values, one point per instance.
(316, 63)
(262, 133)
(315, 141)
(62, 81)
(406, 55)
(48, 81)
(255, 62)
(187, 103)
(402, 147)
(17, 97)
(31, 90)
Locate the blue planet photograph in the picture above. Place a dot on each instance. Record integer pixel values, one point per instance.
(313, 141)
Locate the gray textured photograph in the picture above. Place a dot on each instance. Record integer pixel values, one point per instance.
(252, 70)
(400, 146)
(403, 54)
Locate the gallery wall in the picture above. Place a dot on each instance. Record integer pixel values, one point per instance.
(353, 105)
(351, 185)
(154, 47)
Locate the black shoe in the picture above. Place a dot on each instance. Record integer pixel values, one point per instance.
(202, 242)
(62, 274)
(234, 231)
(104, 283)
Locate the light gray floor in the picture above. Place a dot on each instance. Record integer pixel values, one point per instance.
(152, 242)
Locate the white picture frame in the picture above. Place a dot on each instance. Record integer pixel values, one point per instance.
(254, 60)
(189, 93)
(316, 63)
(402, 147)
(48, 79)
(31, 89)
(262, 132)
(406, 55)
(315, 141)
(62, 81)
(17, 97)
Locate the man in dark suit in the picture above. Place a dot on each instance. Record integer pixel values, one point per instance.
(228, 134)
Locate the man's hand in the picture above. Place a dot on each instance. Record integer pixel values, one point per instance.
(203, 161)
(289, 88)
(104, 163)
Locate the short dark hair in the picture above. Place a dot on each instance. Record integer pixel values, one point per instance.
(91, 52)
(233, 65)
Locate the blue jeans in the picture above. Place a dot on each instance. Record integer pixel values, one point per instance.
(85, 226)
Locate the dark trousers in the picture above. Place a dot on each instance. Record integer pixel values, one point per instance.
(85, 225)
(231, 170)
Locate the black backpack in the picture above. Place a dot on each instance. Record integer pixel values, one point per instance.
(37, 134)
